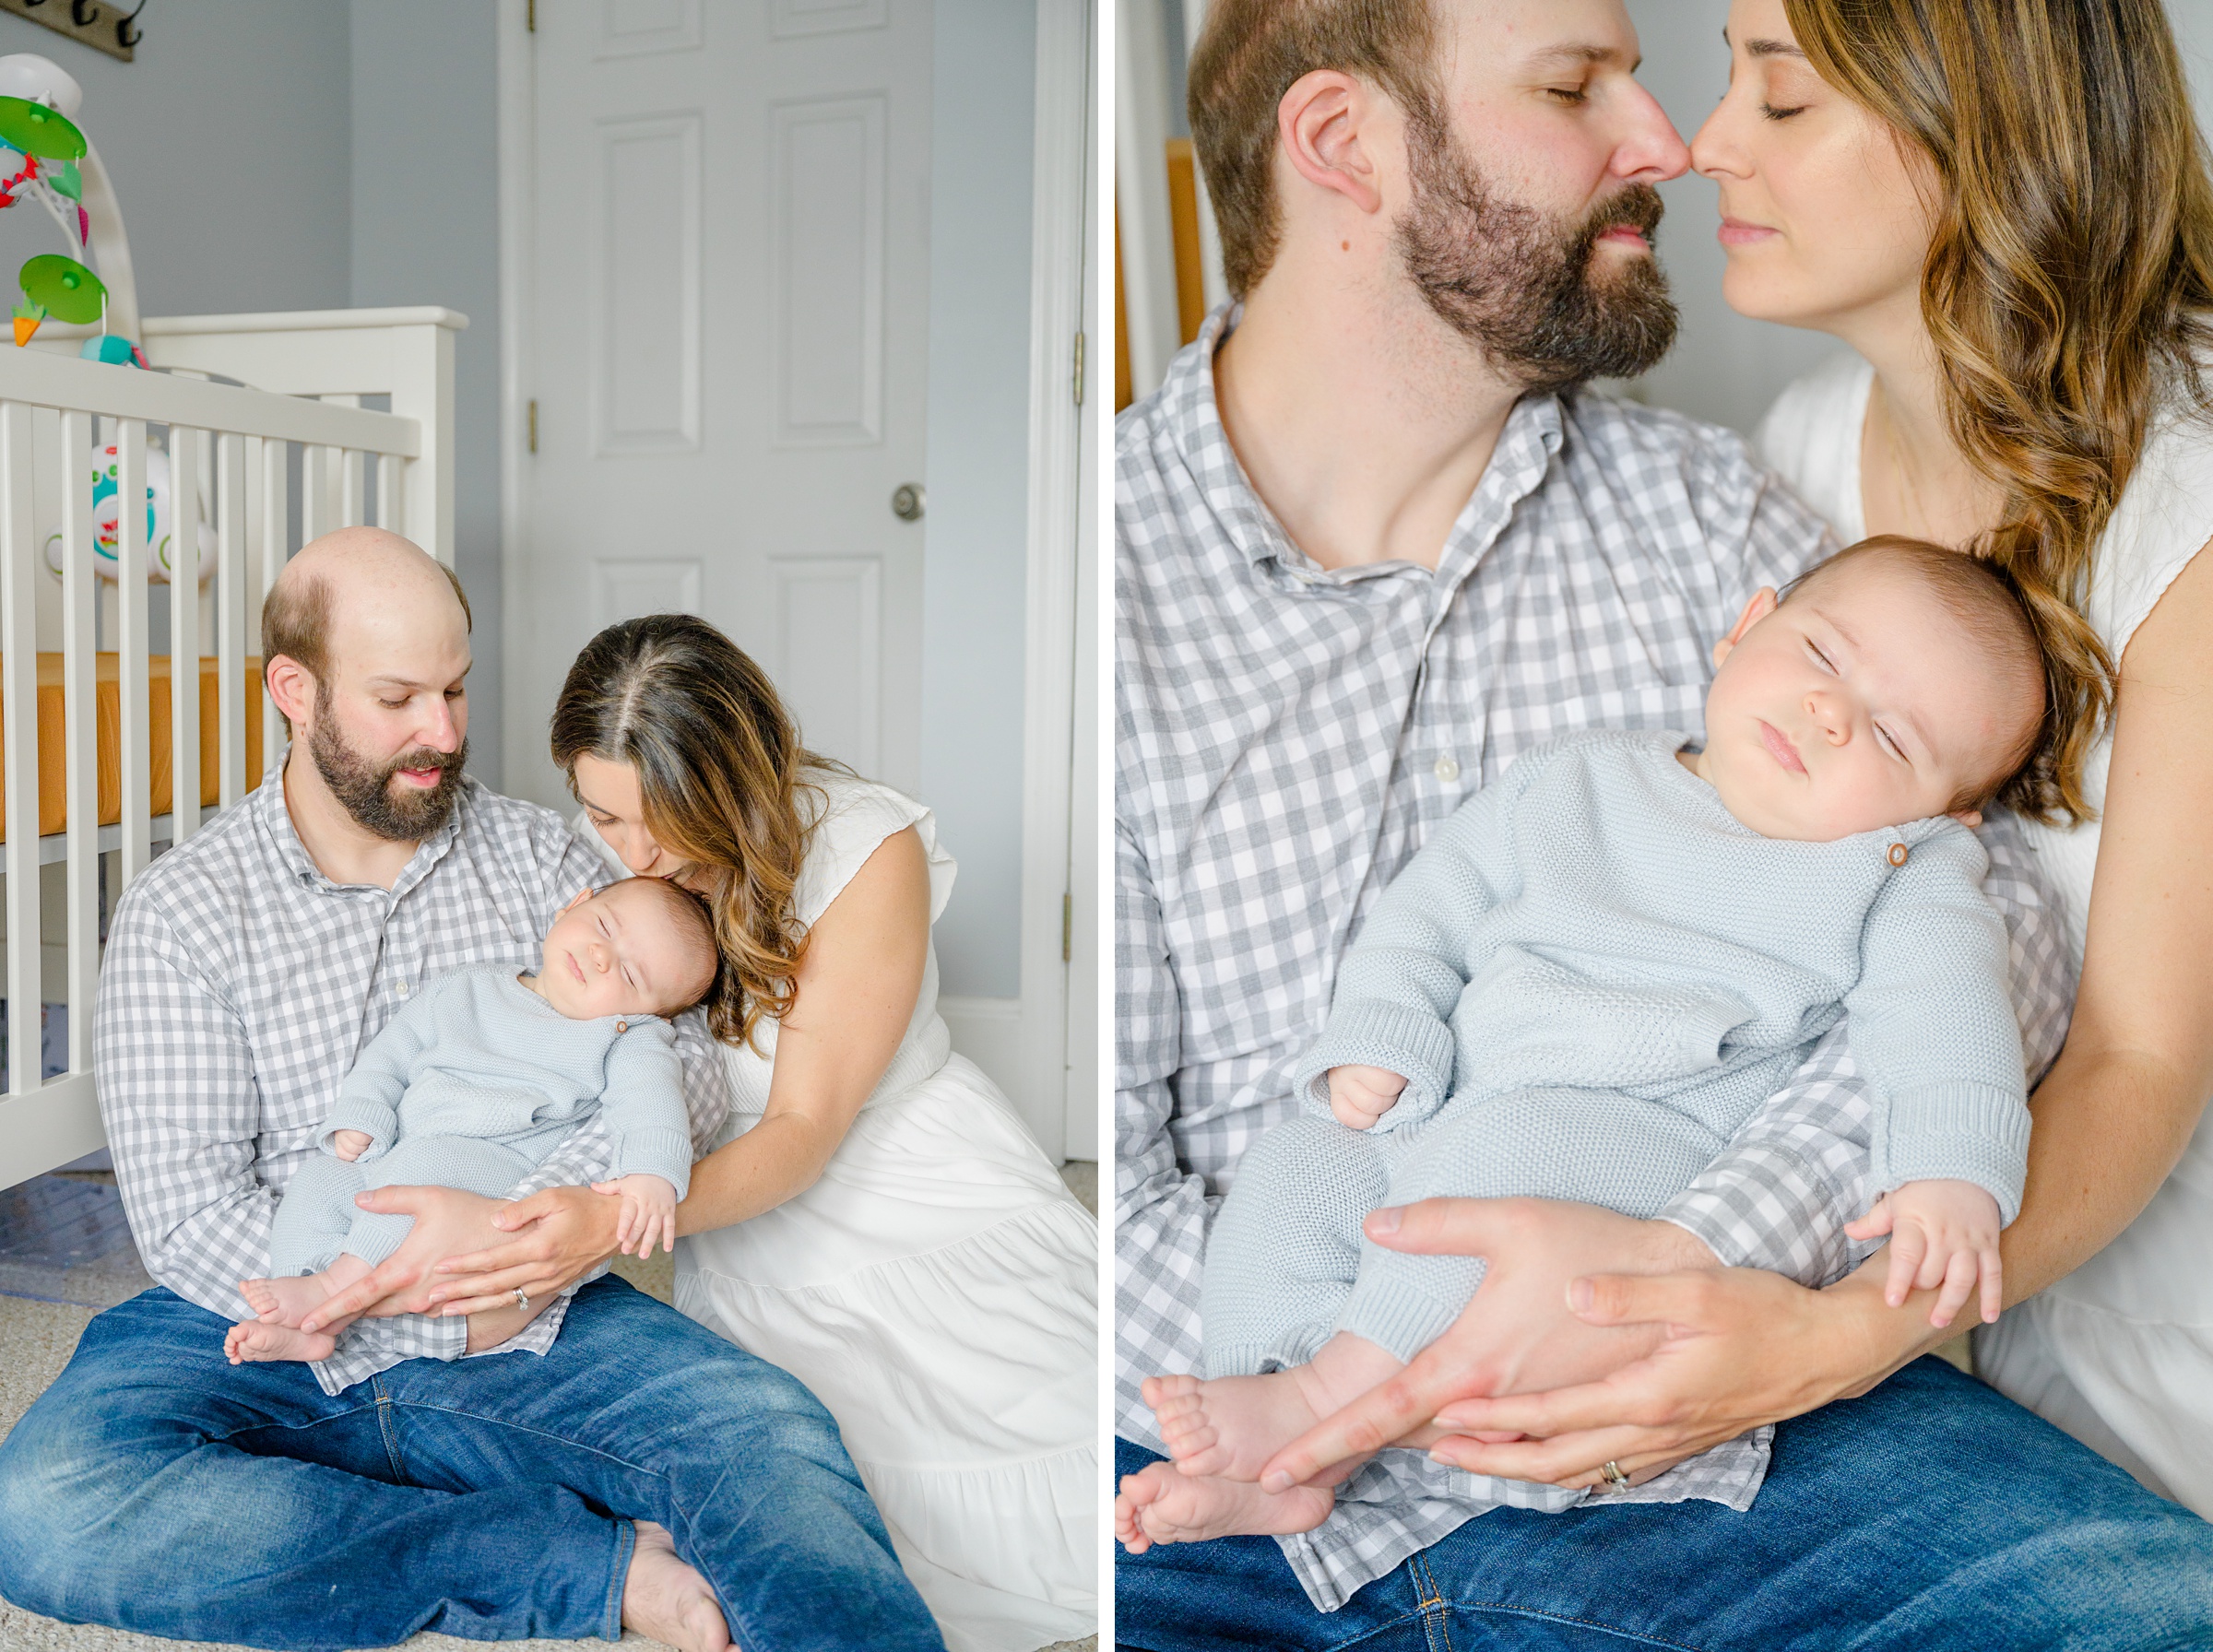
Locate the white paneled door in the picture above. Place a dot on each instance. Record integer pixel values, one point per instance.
(724, 334)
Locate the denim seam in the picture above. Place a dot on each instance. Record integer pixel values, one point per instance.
(1554, 1617)
(388, 1429)
(626, 1538)
(1430, 1599)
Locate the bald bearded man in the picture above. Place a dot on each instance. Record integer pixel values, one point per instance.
(640, 1472)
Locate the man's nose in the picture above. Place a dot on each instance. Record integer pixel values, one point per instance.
(438, 729)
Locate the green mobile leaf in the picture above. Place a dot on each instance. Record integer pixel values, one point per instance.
(38, 130)
(63, 177)
(66, 287)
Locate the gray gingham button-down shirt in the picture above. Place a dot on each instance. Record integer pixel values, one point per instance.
(1288, 735)
(240, 984)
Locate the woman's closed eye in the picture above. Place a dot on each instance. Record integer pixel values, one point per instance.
(1771, 112)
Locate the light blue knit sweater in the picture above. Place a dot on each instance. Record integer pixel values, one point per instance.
(479, 1055)
(1596, 918)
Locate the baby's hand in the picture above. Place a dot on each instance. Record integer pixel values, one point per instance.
(1942, 1233)
(648, 1211)
(350, 1144)
(1360, 1095)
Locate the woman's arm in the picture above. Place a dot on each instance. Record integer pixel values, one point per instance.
(855, 996)
(1744, 1347)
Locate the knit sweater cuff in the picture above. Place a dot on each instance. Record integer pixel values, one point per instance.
(663, 1153)
(1966, 1132)
(373, 1119)
(1370, 1032)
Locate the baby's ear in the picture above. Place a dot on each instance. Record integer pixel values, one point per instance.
(1763, 603)
(1968, 816)
(577, 900)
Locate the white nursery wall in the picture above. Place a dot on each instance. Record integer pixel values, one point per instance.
(985, 77)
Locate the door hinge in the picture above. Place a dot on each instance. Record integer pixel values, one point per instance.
(534, 424)
(1079, 370)
(1068, 928)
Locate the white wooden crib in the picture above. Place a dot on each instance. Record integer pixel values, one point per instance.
(229, 458)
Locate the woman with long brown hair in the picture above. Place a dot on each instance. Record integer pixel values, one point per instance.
(874, 1217)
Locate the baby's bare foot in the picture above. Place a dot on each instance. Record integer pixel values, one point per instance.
(667, 1599)
(284, 1302)
(1161, 1505)
(255, 1340)
(1228, 1428)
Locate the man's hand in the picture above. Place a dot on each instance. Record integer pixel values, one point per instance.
(446, 1220)
(1361, 1095)
(562, 1234)
(1517, 1335)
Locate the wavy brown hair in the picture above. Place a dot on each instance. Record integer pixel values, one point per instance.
(721, 774)
(2069, 286)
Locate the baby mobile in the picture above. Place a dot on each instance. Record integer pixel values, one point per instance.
(46, 159)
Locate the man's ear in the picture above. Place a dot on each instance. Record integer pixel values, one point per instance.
(293, 687)
(1763, 603)
(1321, 121)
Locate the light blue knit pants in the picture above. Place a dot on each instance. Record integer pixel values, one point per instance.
(317, 1220)
(1287, 1265)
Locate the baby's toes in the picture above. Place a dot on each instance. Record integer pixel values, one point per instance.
(1188, 1434)
(1169, 1396)
(258, 1295)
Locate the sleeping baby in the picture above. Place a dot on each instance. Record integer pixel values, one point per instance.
(1594, 973)
(483, 1075)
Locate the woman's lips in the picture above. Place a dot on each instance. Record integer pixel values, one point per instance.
(1740, 232)
(1780, 748)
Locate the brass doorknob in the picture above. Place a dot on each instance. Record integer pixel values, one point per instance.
(907, 500)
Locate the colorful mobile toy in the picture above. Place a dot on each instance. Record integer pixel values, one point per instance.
(44, 157)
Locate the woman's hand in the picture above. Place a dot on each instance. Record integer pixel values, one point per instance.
(562, 1234)
(1608, 1339)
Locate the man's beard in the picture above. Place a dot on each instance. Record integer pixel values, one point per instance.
(1502, 276)
(365, 789)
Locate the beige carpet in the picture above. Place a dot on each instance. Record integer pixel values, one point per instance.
(36, 1340)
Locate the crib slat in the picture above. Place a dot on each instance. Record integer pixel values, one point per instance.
(184, 632)
(316, 512)
(131, 730)
(19, 736)
(230, 622)
(272, 564)
(80, 733)
(352, 493)
(387, 492)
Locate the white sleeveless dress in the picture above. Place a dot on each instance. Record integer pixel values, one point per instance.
(2119, 1352)
(938, 1290)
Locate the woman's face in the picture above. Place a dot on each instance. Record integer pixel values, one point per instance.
(612, 802)
(1824, 219)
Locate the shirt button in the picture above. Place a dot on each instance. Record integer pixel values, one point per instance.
(402, 989)
(1446, 769)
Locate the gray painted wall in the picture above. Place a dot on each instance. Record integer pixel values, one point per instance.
(1725, 367)
(425, 195)
(985, 77)
(228, 141)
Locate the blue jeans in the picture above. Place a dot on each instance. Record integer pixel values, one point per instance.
(156, 1487)
(1932, 1515)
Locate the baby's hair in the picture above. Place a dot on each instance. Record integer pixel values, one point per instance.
(695, 925)
(2009, 622)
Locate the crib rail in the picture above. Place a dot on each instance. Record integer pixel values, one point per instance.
(230, 451)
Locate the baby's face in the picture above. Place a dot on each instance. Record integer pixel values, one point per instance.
(616, 952)
(1860, 704)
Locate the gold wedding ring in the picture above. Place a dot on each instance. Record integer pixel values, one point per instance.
(524, 1302)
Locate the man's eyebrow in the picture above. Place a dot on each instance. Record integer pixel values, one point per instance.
(1580, 52)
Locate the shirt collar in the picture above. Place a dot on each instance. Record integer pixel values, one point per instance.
(276, 822)
(1534, 432)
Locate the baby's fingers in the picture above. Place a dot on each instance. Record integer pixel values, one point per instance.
(1873, 1225)
(1908, 1245)
(1993, 1289)
(1958, 1285)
